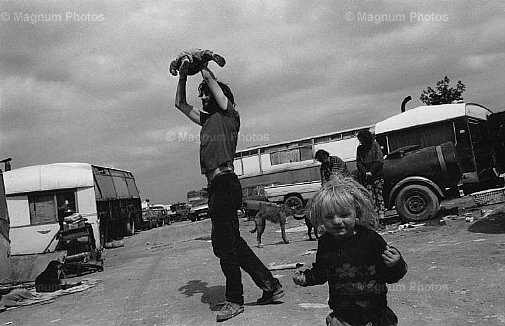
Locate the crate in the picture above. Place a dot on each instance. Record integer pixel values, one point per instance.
(488, 197)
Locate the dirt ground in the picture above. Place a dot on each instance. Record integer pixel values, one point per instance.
(169, 276)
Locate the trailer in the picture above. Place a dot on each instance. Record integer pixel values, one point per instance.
(474, 130)
(40, 197)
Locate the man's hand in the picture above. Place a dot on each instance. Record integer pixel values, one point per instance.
(299, 278)
(391, 256)
(207, 74)
(183, 70)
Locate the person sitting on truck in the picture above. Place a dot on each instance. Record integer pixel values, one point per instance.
(370, 162)
(331, 166)
(220, 124)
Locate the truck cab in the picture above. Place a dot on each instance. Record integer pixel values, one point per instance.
(417, 179)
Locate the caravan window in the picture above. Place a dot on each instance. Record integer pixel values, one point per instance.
(288, 154)
(42, 209)
(48, 207)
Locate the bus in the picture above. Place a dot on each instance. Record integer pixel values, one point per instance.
(287, 172)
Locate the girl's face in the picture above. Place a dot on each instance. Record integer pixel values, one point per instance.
(339, 223)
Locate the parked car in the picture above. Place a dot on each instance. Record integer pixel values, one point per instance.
(181, 211)
(198, 201)
(172, 214)
(149, 219)
(161, 214)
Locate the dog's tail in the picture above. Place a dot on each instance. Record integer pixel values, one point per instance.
(255, 228)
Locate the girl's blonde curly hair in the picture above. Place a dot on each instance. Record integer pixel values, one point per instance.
(342, 194)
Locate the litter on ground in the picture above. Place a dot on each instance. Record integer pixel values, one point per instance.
(28, 296)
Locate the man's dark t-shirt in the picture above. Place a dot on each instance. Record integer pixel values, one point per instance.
(218, 138)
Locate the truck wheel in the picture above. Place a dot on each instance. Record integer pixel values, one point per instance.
(293, 202)
(416, 203)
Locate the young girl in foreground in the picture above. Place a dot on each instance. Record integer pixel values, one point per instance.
(354, 260)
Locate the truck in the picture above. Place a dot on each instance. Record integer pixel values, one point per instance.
(416, 180)
(433, 152)
(39, 198)
(198, 202)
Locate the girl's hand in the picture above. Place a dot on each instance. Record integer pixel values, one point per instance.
(391, 256)
(299, 278)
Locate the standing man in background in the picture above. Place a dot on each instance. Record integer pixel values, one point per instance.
(370, 162)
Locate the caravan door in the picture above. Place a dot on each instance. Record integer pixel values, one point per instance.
(482, 147)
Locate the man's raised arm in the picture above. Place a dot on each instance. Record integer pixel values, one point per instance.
(180, 98)
(216, 90)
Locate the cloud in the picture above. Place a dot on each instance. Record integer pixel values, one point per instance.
(99, 92)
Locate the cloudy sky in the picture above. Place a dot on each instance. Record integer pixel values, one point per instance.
(87, 81)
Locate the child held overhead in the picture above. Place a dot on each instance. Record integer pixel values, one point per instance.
(195, 59)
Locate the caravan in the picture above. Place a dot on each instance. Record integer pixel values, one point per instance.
(473, 129)
(40, 197)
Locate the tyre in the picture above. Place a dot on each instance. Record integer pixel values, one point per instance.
(416, 203)
(294, 203)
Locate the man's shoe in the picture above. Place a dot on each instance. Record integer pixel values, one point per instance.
(270, 296)
(229, 310)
